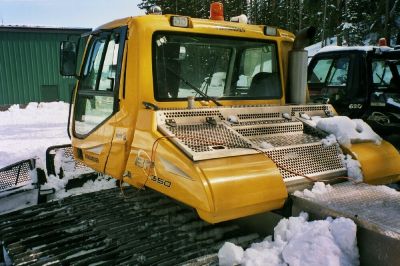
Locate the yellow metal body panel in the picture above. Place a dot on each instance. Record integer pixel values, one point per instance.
(380, 164)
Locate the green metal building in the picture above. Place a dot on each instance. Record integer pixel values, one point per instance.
(29, 64)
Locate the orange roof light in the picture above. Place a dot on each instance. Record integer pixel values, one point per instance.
(216, 11)
(382, 42)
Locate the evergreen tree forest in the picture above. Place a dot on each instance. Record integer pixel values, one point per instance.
(353, 22)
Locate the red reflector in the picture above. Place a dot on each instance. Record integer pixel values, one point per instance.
(382, 42)
(216, 11)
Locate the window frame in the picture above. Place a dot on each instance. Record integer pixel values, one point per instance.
(122, 32)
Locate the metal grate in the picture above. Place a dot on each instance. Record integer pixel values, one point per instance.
(68, 153)
(193, 113)
(259, 115)
(375, 207)
(307, 160)
(259, 122)
(68, 163)
(287, 140)
(310, 108)
(275, 129)
(16, 174)
(204, 137)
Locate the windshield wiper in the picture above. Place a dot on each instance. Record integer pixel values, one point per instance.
(204, 95)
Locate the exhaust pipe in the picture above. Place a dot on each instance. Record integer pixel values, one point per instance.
(298, 61)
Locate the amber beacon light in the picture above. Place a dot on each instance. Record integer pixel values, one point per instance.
(216, 11)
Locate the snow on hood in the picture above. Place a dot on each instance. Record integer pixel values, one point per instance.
(346, 130)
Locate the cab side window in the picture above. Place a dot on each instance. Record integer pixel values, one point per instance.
(95, 99)
(328, 78)
(330, 72)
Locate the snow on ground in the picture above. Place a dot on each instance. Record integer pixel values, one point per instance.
(27, 132)
(101, 183)
(297, 241)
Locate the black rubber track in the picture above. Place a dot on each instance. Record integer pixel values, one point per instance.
(106, 228)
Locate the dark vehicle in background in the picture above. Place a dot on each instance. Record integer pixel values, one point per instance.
(360, 82)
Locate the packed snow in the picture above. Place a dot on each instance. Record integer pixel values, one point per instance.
(297, 241)
(353, 168)
(329, 140)
(319, 188)
(346, 130)
(27, 132)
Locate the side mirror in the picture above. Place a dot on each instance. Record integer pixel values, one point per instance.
(68, 56)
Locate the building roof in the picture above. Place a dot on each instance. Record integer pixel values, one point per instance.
(42, 29)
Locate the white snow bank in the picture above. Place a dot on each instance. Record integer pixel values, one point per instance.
(319, 188)
(348, 130)
(299, 242)
(27, 132)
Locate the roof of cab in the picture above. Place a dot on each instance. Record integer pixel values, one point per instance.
(156, 20)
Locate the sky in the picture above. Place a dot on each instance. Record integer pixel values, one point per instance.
(66, 13)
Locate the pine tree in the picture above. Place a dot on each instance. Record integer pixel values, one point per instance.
(353, 21)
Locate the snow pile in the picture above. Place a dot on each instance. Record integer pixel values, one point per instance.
(353, 168)
(329, 140)
(233, 119)
(299, 242)
(101, 183)
(27, 132)
(348, 130)
(319, 188)
(230, 254)
(266, 145)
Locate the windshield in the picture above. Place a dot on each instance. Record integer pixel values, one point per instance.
(223, 68)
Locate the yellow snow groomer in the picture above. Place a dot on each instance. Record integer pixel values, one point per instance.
(197, 110)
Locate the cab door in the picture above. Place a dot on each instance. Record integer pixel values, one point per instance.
(96, 98)
(335, 79)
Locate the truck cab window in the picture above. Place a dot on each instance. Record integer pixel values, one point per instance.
(328, 78)
(381, 74)
(95, 95)
(185, 65)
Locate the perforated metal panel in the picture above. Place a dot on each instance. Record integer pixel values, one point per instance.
(66, 164)
(287, 140)
(204, 137)
(270, 129)
(15, 175)
(259, 115)
(309, 160)
(311, 109)
(276, 130)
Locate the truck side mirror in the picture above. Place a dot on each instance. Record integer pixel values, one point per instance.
(68, 56)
